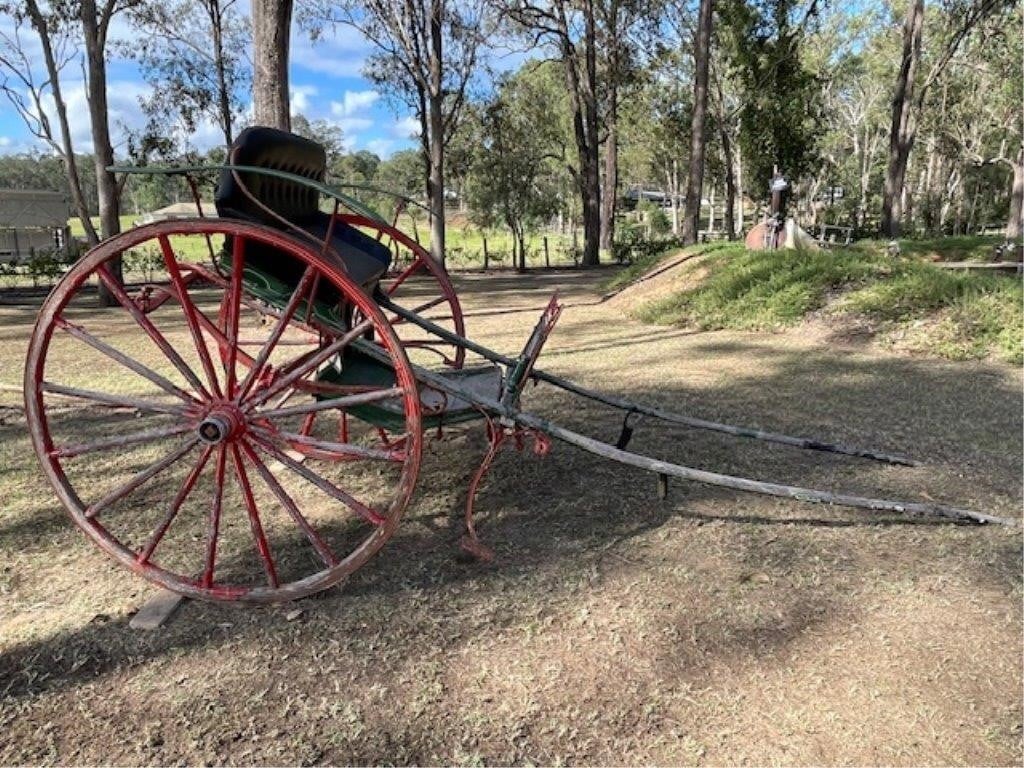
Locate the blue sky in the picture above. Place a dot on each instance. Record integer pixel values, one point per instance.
(325, 84)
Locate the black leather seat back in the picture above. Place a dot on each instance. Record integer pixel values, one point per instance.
(283, 204)
(279, 151)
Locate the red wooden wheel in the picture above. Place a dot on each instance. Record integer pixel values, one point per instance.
(173, 427)
(421, 286)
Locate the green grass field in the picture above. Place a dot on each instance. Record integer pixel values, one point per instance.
(465, 244)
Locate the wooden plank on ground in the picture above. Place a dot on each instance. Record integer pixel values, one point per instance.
(156, 611)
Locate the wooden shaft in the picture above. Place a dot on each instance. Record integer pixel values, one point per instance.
(656, 413)
(657, 466)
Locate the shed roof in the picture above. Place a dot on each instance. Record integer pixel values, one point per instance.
(29, 208)
(178, 211)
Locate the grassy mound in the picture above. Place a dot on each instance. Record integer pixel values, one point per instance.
(957, 315)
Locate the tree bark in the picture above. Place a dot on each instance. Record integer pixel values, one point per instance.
(1015, 223)
(730, 183)
(695, 180)
(435, 137)
(94, 29)
(672, 185)
(435, 180)
(581, 82)
(609, 190)
(741, 214)
(902, 130)
(271, 29)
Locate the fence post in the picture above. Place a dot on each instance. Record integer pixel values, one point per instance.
(486, 257)
(547, 255)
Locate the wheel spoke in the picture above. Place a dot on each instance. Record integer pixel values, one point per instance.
(179, 499)
(141, 477)
(275, 335)
(213, 526)
(319, 545)
(145, 436)
(218, 336)
(396, 320)
(101, 346)
(408, 272)
(151, 330)
(234, 297)
(114, 401)
(254, 518)
(328, 447)
(309, 364)
(324, 485)
(347, 401)
(189, 310)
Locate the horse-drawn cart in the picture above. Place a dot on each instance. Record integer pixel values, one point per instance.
(248, 422)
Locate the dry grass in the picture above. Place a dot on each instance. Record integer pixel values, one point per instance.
(714, 628)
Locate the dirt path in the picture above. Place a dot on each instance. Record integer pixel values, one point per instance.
(714, 628)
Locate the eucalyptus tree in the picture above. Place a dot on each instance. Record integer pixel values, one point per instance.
(625, 31)
(63, 30)
(30, 88)
(780, 114)
(194, 55)
(570, 28)
(426, 55)
(915, 78)
(513, 172)
(695, 176)
(656, 130)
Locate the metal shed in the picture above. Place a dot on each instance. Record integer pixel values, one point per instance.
(32, 220)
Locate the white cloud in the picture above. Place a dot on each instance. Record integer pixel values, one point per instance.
(406, 128)
(381, 147)
(354, 102)
(353, 125)
(300, 98)
(340, 51)
(5, 141)
(123, 111)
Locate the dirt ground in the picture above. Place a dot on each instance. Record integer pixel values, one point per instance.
(711, 628)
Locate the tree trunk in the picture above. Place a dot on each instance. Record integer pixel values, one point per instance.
(740, 212)
(591, 170)
(67, 150)
(94, 34)
(1015, 224)
(590, 189)
(672, 185)
(730, 185)
(435, 137)
(581, 83)
(223, 94)
(610, 187)
(271, 29)
(435, 180)
(865, 184)
(695, 180)
(901, 132)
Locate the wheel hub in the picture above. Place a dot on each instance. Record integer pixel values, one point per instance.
(219, 425)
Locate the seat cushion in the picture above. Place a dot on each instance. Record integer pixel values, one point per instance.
(363, 257)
